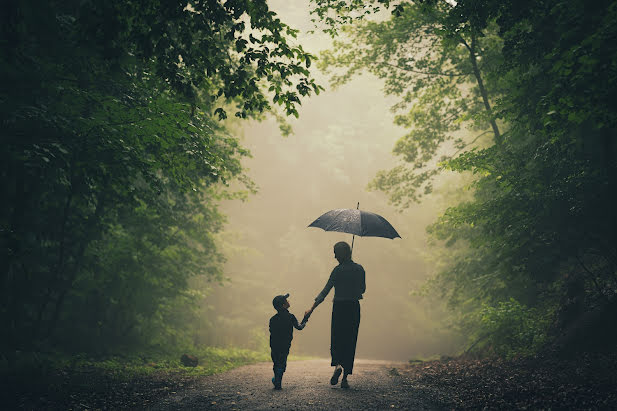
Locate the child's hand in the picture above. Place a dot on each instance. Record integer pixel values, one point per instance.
(306, 317)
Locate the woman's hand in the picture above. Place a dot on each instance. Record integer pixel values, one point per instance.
(310, 310)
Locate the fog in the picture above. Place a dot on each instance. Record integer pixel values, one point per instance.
(342, 138)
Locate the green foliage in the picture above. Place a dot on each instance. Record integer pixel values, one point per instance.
(212, 360)
(536, 247)
(511, 328)
(439, 71)
(541, 227)
(337, 13)
(112, 161)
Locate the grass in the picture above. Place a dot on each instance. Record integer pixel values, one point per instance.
(212, 360)
(60, 381)
(421, 359)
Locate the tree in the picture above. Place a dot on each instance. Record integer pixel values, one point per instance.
(438, 66)
(541, 224)
(111, 155)
(536, 246)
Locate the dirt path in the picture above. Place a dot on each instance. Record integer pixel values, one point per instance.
(375, 385)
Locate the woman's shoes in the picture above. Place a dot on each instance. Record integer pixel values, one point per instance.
(337, 373)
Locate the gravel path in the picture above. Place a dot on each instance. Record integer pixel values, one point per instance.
(375, 385)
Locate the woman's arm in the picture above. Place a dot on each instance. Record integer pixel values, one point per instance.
(323, 294)
(308, 312)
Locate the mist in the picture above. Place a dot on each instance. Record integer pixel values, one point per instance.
(341, 139)
(155, 200)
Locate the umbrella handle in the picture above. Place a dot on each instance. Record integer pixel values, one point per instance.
(354, 236)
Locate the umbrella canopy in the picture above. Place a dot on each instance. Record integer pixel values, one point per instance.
(357, 222)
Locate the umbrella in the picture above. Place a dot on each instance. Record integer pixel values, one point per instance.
(357, 222)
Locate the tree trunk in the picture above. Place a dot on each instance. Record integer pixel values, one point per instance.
(610, 165)
(98, 213)
(487, 105)
(10, 287)
(59, 265)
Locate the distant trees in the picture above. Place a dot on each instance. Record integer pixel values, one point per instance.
(111, 157)
(438, 67)
(537, 245)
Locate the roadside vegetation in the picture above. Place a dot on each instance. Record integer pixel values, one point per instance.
(517, 97)
(114, 159)
(60, 381)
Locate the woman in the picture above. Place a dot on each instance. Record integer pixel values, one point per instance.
(348, 280)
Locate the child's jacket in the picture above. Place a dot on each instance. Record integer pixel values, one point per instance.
(281, 329)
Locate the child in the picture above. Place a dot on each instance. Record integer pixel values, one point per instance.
(281, 334)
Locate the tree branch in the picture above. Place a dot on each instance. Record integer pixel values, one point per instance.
(471, 142)
(427, 73)
(592, 275)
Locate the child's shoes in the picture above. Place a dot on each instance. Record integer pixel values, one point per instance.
(278, 378)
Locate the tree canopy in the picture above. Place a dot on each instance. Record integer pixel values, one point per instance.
(113, 157)
(531, 259)
(439, 69)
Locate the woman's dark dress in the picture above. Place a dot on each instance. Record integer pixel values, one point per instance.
(344, 333)
(348, 280)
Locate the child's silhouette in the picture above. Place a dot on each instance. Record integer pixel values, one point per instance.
(281, 334)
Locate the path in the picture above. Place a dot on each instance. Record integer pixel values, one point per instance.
(375, 385)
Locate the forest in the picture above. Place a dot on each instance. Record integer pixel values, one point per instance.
(531, 256)
(126, 134)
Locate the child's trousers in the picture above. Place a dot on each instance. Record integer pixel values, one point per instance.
(279, 358)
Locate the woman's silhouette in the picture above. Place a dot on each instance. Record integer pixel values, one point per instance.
(348, 280)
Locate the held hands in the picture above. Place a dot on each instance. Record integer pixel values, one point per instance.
(307, 314)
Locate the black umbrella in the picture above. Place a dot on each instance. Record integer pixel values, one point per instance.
(357, 222)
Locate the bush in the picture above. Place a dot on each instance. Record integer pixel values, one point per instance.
(511, 328)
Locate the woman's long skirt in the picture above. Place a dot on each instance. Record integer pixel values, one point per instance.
(344, 333)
